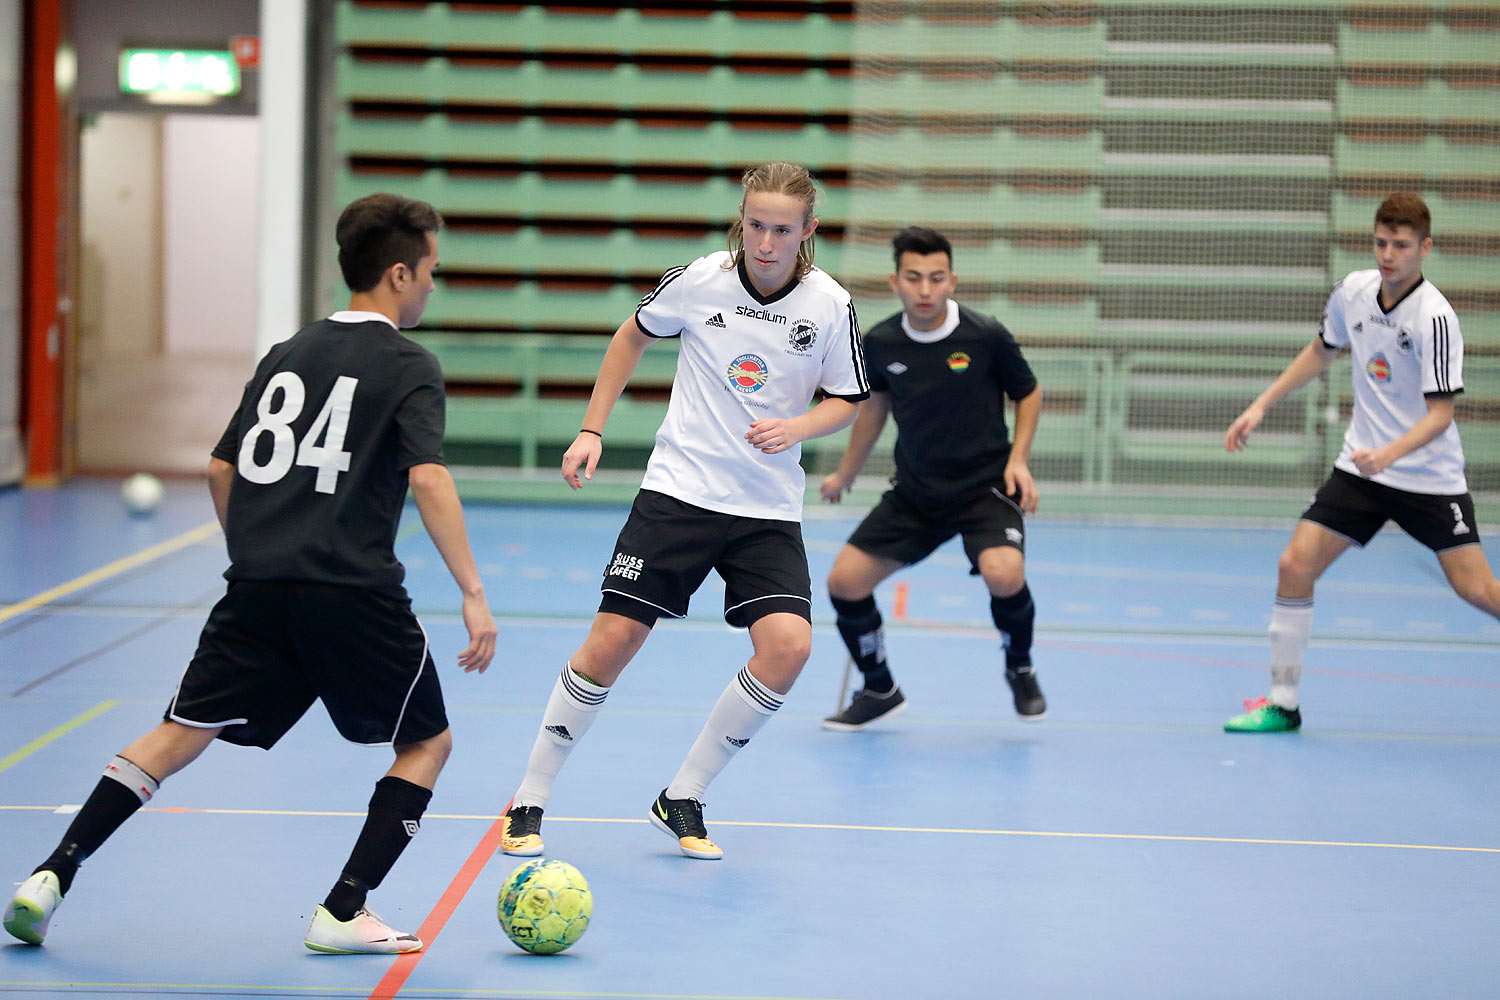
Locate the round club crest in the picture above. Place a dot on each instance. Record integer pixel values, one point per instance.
(804, 334)
(747, 373)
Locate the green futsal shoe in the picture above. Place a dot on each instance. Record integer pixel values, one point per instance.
(1263, 717)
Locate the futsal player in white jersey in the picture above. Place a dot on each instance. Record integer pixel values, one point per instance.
(1401, 461)
(760, 332)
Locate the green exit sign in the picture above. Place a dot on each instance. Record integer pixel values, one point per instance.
(181, 76)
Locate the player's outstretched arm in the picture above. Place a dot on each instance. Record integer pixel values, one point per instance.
(776, 434)
(620, 361)
(1309, 363)
(867, 427)
(437, 501)
(1017, 471)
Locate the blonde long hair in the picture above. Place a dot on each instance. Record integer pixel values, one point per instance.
(777, 178)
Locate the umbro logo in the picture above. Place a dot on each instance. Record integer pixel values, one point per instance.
(717, 319)
(1013, 535)
(561, 732)
(411, 827)
(734, 742)
(895, 368)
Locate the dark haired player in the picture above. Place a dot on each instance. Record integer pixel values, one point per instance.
(944, 373)
(308, 482)
(1402, 460)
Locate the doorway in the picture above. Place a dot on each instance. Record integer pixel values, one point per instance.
(167, 287)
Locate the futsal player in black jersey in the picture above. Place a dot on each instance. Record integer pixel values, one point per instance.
(943, 372)
(308, 483)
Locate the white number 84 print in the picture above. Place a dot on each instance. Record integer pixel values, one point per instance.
(328, 458)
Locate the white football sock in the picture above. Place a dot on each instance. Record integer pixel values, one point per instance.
(570, 712)
(744, 707)
(1291, 627)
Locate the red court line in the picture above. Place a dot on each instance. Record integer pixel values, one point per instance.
(404, 965)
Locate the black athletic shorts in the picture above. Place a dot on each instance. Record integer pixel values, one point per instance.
(1357, 508)
(271, 648)
(899, 529)
(667, 547)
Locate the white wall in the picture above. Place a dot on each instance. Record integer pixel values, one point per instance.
(210, 169)
(120, 223)
(12, 462)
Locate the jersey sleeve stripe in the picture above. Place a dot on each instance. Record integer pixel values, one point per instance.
(1440, 353)
(666, 280)
(862, 378)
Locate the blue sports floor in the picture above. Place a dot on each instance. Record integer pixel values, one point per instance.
(1125, 847)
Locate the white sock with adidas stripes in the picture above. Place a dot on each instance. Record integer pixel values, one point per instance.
(570, 711)
(744, 707)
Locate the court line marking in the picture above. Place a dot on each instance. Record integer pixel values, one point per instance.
(424, 993)
(395, 977)
(17, 756)
(494, 832)
(115, 568)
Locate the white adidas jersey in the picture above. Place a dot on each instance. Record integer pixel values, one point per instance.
(745, 357)
(1400, 356)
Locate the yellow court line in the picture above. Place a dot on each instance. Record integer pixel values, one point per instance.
(959, 831)
(105, 572)
(62, 730)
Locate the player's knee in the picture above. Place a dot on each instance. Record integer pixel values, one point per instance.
(846, 586)
(1003, 571)
(439, 747)
(787, 649)
(1004, 582)
(1294, 571)
(1481, 591)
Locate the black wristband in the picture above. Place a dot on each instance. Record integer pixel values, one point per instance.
(585, 430)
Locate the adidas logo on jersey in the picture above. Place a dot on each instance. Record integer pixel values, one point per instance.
(717, 319)
(561, 732)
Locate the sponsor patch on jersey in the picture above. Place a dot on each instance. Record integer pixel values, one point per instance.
(1378, 368)
(895, 368)
(747, 373)
(716, 320)
(1403, 342)
(764, 315)
(958, 361)
(804, 334)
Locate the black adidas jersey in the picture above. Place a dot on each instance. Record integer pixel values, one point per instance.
(947, 396)
(325, 433)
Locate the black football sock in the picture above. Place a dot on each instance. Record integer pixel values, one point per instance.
(123, 789)
(1015, 616)
(394, 817)
(863, 632)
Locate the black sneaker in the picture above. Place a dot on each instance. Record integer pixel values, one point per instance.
(522, 833)
(1030, 705)
(865, 708)
(683, 819)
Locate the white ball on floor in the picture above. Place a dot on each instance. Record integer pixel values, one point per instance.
(142, 493)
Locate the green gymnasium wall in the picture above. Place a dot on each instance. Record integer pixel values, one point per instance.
(1155, 198)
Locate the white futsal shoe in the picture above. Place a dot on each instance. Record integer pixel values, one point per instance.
(362, 934)
(30, 910)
